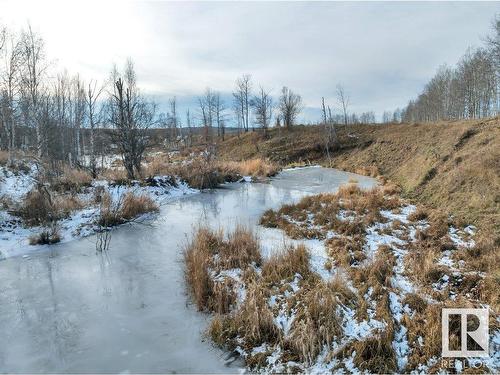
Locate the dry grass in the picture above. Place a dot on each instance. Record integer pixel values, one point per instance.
(346, 251)
(117, 176)
(4, 157)
(317, 322)
(40, 207)
(286, 264)
(315, 215)
(210, 251)
(136, 205)
(199, 173)
(462, 157)
(252, 323)
(370, 171)
(257, 168)
(71, 180)
(48, 236)
(375, 354)
(126, 208)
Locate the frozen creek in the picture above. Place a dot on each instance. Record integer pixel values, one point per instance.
(67, 309)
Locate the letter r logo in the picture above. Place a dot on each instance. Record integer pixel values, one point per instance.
(470, 332)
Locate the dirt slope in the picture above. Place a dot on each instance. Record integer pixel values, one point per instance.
(452, 165)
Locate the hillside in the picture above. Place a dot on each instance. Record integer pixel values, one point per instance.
(453, 165)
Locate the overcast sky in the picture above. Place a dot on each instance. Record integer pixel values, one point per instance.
(383, 53)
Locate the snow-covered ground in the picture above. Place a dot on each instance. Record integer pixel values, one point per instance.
(14, 236)
(353, 328)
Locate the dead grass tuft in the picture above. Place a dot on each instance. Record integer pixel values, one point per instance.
(257, 167)
(136, 205)
(286, 264)
(125, 208)
(208, 252)
(39, 207)
(317, 321)
(72, 180)
(47, 236)
(375, 354)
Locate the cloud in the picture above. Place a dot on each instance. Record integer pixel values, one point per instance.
(383, 53)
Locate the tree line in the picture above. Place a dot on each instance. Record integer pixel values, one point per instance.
(61, 117)
(469, 90)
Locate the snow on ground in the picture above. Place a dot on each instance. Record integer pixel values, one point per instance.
(354, 329)
(15, 185)
(14, 237)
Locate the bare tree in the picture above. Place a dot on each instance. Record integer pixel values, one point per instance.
(367, 117)
(263, 107)
(290, 105)
(207, 111)
(343, 100)
(11, 58)
(493, 43)
(77, 107)
(329, 127)
(131, 115)
(173, 119)
(32, 76)
(242, 95)
(220, 114)
(189, 127)
(469, 90)
(94, 116)
(3, 37)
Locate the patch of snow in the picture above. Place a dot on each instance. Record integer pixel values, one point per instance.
(456, 237)
(16, 185)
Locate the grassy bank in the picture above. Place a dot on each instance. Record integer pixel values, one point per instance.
(369, 301)
(449, 165)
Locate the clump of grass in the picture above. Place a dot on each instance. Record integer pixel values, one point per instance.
(117, 176)
(422, 262)
(376, 354)
(209, 252)
(256, 167)
(318, 322)
(346, 250)
(269, 219)
(136, 205)
(40, 207)
(286, 264)
(72, 179)
(199, 173)
(252, 323)
(125, 208)
(47, 236)
(376, 274)
(390, 188)
(415, 302)
(37, 208)
(421, 213)
(314, 216)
